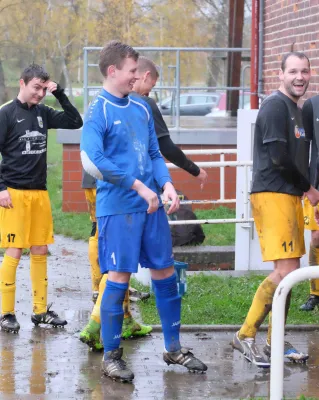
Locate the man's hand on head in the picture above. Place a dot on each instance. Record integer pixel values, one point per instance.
(51, 86)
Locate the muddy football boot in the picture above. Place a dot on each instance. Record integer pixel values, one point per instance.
(90, 335)
(185, 358)
(95, 295)
(114, 367)
(135, 295)
(9, 323)
(131, 328)
(250, 351)
(49, 318)
(290, 352)
(310, 304)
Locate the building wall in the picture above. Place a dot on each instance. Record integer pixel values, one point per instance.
(290, 24)
(73, 195)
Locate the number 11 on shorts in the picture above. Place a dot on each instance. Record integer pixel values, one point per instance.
(290, 244)
(113, 258)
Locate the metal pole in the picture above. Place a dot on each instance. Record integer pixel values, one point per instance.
(278, 326)
(261, 48)
(85, 81)
(214, 221)
(242, 84)
(217, 164)
(178, 90)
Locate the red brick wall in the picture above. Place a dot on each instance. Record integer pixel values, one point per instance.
(289, 22)
(73, 195)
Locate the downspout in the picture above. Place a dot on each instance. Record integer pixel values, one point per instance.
(254, 100)
(261, 49)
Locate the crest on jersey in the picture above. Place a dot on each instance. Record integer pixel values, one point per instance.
(299, 132)
(40, 122)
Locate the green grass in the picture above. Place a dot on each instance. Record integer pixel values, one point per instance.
(225, 300)
(218, 234)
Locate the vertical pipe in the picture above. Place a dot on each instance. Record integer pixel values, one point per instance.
(254, 55)
(85, 81)
(178, 87)
(261, 47)
(222, 178)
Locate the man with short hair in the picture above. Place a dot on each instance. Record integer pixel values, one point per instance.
(119, 148)
(25, 211)
(280, 179)
(147, 76)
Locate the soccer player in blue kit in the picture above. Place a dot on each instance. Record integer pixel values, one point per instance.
(120, 149)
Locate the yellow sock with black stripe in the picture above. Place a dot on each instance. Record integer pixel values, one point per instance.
(8, 271)
(270, 317)
(126, 305)
(314, 260)
(96, 312)
(259, 309)
(39, 282)
(96, 275)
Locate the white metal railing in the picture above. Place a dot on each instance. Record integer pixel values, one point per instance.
(222, 164)
(278, 326)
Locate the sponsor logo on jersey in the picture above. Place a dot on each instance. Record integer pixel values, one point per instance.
(40, 122)
(35, 142)
(299, 132)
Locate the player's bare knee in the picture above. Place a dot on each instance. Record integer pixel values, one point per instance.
(14, 253)
(285, 266)
(119, 277)
(39, 250)
(315, 238)
(162, 273)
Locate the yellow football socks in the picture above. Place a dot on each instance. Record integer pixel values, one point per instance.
(39, 282)
(259, 309)
(270, 317)
(8, 271)
(314, 260)
(96, 275)
(96, 312)
(126, 305)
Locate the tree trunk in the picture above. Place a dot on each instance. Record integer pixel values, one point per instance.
(3, 90)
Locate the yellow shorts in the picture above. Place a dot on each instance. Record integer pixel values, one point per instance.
(90, 195)
(29, 222)
(309, 216)
(279, 224)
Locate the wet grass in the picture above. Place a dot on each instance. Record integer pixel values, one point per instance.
(225, 300)
(77, 225)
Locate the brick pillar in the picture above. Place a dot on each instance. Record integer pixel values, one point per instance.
(73, 198)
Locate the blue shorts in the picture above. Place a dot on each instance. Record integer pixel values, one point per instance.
(128, 239)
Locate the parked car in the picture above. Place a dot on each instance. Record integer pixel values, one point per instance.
(219, 109)
(190, 103)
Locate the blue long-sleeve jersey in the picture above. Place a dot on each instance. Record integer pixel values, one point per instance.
(119, 145)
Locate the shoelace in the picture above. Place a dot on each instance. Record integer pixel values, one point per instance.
(120, 364)
(51, 312)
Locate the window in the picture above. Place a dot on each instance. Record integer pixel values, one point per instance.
(197, 100)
